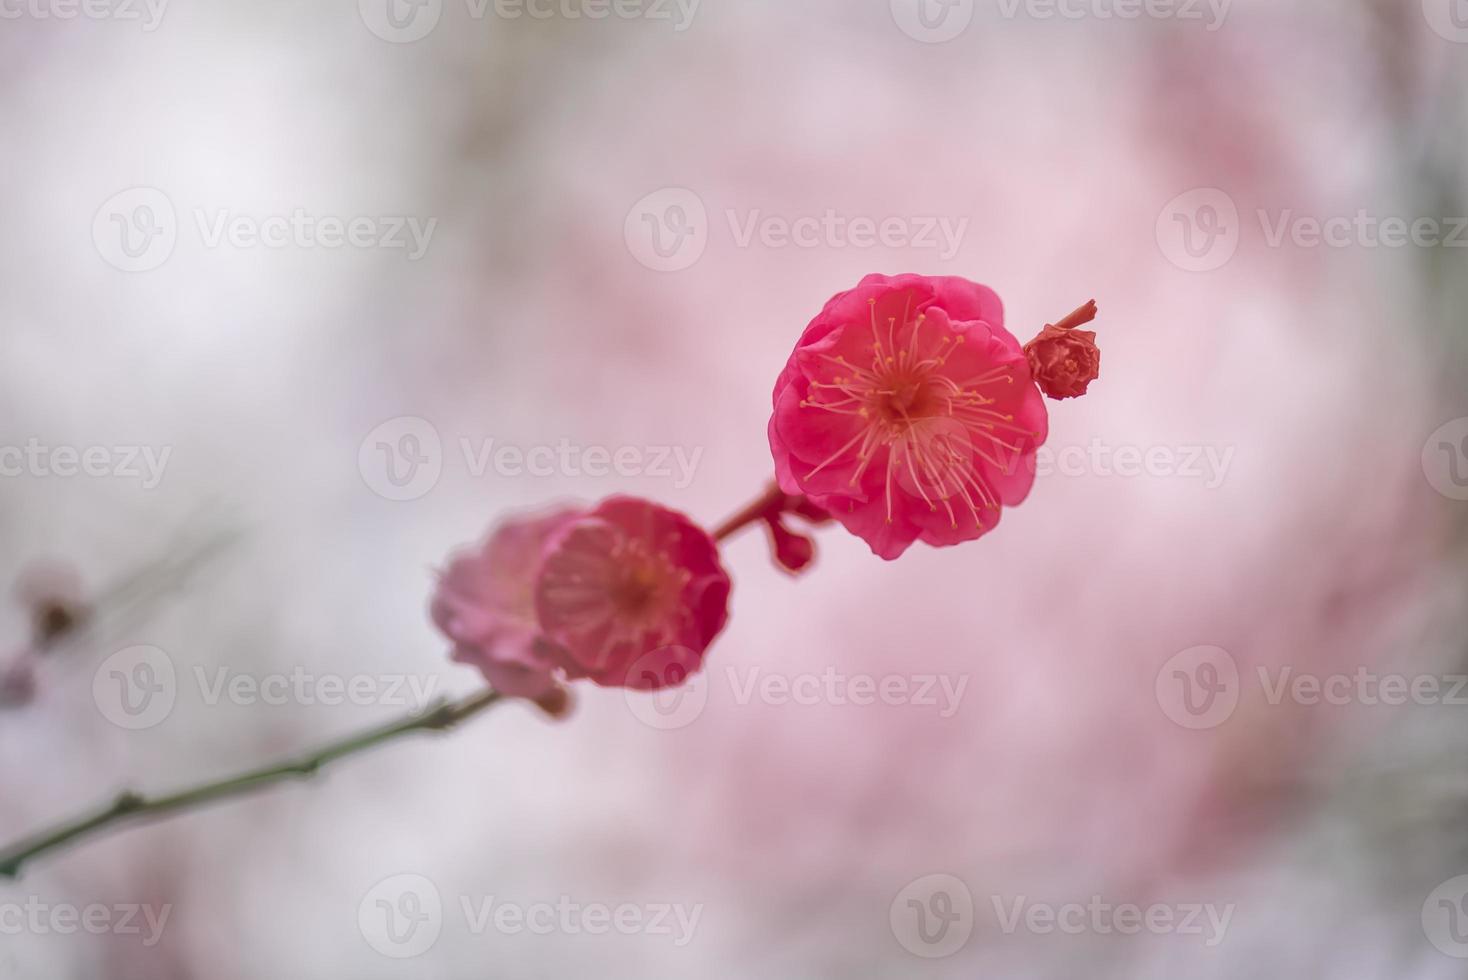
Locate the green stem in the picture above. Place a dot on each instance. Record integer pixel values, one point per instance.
(133, 807)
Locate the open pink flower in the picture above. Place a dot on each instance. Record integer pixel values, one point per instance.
(485, 604)
(628, 594)
(631, 594)
(908, 412)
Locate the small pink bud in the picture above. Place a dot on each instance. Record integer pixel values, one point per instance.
(793, 551)
(1063, 360)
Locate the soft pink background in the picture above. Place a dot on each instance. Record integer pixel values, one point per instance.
(529, 320)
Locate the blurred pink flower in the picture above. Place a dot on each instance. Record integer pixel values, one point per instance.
(18, 681)
(52, 592)
(485, 604)
(632, 594)
(908, 412)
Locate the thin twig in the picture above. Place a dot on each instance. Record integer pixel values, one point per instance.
(130, 806)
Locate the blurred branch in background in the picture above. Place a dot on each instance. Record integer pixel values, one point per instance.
(64, 618)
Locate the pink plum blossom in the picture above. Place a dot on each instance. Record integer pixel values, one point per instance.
(909, 413)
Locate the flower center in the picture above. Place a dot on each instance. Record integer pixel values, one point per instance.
(901, 402)
(636, 592)
(646, 598)
(932, 429)
(614, 587)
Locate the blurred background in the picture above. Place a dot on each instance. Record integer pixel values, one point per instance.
(282, 282)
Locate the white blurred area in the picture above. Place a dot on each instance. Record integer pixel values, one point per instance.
(528, 320)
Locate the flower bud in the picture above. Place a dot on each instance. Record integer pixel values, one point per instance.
(1063, 360)
(793, 551)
